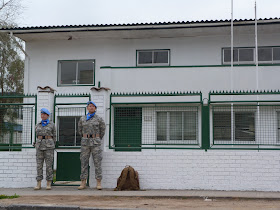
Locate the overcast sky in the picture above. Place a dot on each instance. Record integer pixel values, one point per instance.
(79, 12)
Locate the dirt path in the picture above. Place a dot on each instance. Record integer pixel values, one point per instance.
(147, 203)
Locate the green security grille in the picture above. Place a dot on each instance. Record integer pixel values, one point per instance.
(67, 125)
(16, 125)
(246, 124)
(136, 127)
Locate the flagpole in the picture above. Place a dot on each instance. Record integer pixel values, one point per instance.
(256, 48)
(231, 72)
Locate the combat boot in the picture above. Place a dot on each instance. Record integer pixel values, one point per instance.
(83, 184)
(49, 185)
(38, 187)
(98, 184)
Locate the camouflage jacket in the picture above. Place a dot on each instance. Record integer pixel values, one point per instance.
(95, 125)
(48, 130)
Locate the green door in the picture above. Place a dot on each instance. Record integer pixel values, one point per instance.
(128, 128)
(68, 166)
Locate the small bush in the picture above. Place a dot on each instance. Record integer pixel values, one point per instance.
(9, 197)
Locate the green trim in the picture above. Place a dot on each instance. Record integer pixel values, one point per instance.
(112, 147)
(194, 66)
(16, 104)
(249, 92)
(155, 94)
(205, 127)
(195, 102)
(215, 102)
(110, 122)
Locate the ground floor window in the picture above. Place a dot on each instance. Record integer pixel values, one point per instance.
(68, 131)
(239, 124)
(176, 126)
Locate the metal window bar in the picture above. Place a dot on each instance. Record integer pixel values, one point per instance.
(16, 125)
(147, 126)
(252, 124)
(67, 125)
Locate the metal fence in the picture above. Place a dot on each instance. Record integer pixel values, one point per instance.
(155, 121)
(17, 121)
(66, 117)
(156, 126)
(248, 120)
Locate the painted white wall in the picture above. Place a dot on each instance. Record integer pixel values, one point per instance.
(158, 169)
(184, 51)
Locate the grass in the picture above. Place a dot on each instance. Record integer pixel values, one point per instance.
(9, 197)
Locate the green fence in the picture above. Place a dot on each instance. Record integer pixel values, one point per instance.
(66, 117)
(153, 122)
(17, 121)
(245, 120)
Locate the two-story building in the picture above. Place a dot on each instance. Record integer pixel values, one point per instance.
(176, 108)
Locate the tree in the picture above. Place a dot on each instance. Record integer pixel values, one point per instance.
(9, 11)
(11, 63)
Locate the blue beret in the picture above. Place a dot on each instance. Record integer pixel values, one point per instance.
(91, 102)
(45, 111)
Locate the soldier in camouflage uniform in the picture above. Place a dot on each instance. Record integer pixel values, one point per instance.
(92, 129)
(45, 144)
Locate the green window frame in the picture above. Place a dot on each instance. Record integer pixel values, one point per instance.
(76, 72)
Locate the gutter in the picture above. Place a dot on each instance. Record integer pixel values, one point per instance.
(133, 27)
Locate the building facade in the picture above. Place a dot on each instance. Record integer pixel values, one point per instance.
(175, 108)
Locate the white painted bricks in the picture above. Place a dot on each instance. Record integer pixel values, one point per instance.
(165, 169)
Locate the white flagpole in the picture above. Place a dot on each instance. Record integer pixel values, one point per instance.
(256, 48)
(231, 72)
(257, 68)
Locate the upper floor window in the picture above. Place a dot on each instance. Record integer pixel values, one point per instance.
(80, 72)
(242, 55)
(153, 57)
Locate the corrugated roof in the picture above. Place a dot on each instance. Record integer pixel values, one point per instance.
(142, 24)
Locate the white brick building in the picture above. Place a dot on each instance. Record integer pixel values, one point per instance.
(153, 85)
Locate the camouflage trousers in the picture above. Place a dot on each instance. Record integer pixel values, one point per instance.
(96, 152)
(47, 156)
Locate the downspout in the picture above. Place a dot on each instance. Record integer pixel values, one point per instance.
(27, 63)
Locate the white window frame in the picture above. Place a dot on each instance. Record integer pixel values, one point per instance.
(233, 139)
(168, 141)
(76, 79)
(153, 64)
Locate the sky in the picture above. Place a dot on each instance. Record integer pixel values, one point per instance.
(84, 12)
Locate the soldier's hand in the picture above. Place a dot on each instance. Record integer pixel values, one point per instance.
(34, 144)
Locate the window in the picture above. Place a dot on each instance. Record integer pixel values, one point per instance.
(152, 57)
(244, 126)
(278, 125)
(76, 72)
(177, 126)
(247, 55)
(68, 131)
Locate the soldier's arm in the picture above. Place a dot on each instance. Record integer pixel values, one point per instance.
(102, 127)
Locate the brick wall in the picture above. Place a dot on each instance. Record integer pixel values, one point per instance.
(165, 169)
